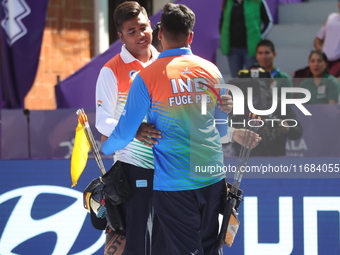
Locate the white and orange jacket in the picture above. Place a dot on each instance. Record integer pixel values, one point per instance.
(113, 85)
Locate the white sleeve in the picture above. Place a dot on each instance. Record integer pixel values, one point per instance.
(229, 136)
(106, 101)
(322, 32)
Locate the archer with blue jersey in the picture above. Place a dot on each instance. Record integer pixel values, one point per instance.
(171, 99)
(170, 92)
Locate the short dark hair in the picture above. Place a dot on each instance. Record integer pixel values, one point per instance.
(267, 43)
(126, 11)
(177, 21)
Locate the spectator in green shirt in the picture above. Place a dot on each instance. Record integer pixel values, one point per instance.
(265, 55)
(324, 88)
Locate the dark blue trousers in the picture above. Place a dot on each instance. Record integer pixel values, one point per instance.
(136, 208)
(189, 219)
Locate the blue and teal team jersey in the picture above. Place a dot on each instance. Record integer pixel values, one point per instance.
(170, 91)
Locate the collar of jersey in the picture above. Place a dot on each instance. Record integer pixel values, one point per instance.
(175, 52)
(274, 72)
(128, 58)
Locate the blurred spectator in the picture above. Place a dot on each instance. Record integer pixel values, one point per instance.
(324, 88)
(265, 55)
(243, 24)
(276, 128)
(328, 40)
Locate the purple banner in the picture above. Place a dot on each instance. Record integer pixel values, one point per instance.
(52, 133)
(22, 26)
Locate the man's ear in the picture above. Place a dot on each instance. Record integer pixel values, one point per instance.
(160, 33)
(191, 37)
(120, 36)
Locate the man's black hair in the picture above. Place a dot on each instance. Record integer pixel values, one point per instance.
(126, 11)
(177, 21)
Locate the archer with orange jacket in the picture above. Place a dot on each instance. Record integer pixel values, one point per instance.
(177, 95)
